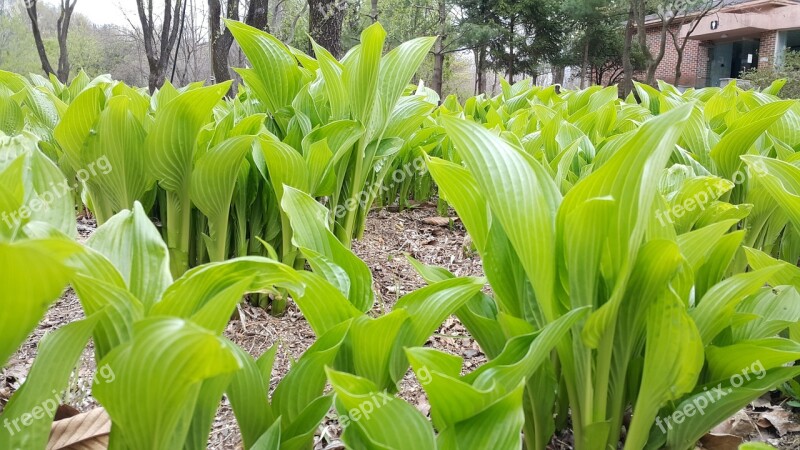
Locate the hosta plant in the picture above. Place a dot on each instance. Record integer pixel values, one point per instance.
(663, 303)
(339, 121)
(212, 171)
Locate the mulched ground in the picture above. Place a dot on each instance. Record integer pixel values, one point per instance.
(388, 238)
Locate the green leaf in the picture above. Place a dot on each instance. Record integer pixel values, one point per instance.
(205, 411)
(715, 310)
(379, 357)
(33, 276)
(362, 69)
(220, 286)
(742, 134)
(397, 68)
(171, 142)
(133, 244)
(376, 419)
(159, 374)
(334, 84)
(760, 355)
(116, 306)
(672, 363)
(247, 393)
(771, 312)
(504, 175)
(213, 181)
(305, 382)
(327, 256)
(30, 412)
(497, 427)
(322, 304)
(39, 193)
(270, 440)
(479, 314)
(117, 139)
(488, 400)
(721, 401)
(12, 119)
(274, 65)
(786, 274)
(782, 180)
(77, 123)
(523, 354)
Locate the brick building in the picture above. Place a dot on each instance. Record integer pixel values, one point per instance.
(742, 34)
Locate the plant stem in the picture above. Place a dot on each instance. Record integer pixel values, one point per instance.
(179, 221)
(218, 232)
(357, 184)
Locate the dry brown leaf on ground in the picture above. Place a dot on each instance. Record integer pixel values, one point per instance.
(87, 431)
(783, 421)
(720, 441)
(738, 425)
(439, 221)
(762, 402)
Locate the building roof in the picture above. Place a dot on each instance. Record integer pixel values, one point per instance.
(732, 6)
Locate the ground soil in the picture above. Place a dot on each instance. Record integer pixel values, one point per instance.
(388, 238)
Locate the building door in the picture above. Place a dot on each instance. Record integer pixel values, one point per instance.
(730, 59)
(720, 57)
(745, 56)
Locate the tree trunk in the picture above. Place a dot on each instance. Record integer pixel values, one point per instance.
(627, 64)
(257, 14)
(680, 47)
(290, 38)
(438, 67)
(325, 24)
(37, 37)
(654, 61)
(678, 63)
(373, 14)
(558, 75)
(480, 70)
(438, 51)
(64, 19)
(585, 63)
(159, 51)
(221, 40)
(639, 8)
(178, 45)
(156, 79)
(511, 57)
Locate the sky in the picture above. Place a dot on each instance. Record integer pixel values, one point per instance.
(106, 11)
(111, 11)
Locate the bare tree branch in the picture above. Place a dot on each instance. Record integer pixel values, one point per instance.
(158, 62)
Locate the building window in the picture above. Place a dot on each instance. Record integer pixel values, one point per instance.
(793, 40)
(787, 41)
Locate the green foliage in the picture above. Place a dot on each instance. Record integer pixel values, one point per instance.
(213, 171)
(655, 261)
(782, 80)
(641, 255)
(496, 26)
